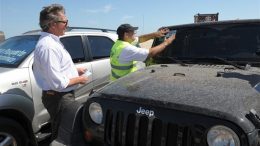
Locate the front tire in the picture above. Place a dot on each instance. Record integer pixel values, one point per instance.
(12, 133)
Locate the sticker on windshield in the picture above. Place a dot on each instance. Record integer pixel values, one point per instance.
(10, 55)
(169, 34)
(7, 59)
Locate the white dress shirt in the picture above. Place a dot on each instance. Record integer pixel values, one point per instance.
(134, 52)
(53, 67)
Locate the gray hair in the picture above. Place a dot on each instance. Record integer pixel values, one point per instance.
(49, 14)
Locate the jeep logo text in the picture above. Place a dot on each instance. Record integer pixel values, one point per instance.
(149, 113)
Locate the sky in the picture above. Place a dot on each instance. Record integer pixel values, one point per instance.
(19, 16)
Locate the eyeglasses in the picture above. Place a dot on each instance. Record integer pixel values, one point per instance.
(64, 22)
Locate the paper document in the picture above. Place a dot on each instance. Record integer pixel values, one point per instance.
(87, 73)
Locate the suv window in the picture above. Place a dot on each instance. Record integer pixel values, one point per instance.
(233, 42)
(74, 46)
(15, 49)
(204, 42)
(100, 46)
(241, 42)
(179, 44)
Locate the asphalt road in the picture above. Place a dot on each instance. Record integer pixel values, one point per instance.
(47, 142)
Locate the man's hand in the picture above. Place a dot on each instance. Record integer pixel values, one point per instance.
(162, 32)
(83, 79)
(81, 70)
(170, 39)
(78, 80)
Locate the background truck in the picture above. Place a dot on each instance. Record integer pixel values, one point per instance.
(205, 17)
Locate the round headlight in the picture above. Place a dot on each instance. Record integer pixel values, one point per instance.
(95, 112)
(222, 136)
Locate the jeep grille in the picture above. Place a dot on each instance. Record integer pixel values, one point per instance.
(122, 125)
(149, 131)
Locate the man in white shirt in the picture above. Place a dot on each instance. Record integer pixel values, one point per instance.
(53, 67)
(125, 52)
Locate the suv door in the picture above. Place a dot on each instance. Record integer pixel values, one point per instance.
(99, 47)
(80, 57)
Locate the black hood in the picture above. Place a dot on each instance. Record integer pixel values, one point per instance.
(210, 90)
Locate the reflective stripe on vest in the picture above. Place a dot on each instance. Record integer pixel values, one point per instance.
(114, 75)
(119, 70)
(122, 67)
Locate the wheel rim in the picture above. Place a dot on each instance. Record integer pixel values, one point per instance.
(7, 140)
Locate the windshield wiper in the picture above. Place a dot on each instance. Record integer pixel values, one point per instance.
(231, 63)
(172, 59)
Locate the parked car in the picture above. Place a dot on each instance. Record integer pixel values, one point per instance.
(23, 118)
(203, 90)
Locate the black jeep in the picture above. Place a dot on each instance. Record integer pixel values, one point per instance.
(203, 90)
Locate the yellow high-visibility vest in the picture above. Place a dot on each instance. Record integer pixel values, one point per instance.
(119, 70)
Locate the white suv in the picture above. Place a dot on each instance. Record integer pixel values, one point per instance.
(23, 118)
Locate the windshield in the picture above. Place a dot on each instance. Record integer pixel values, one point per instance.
(15, 49)
(234, 43)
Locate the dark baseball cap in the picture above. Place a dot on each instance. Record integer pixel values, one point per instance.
(125, 28)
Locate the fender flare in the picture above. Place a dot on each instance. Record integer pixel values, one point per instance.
(71, 130)
(20, 103)
(24, 106)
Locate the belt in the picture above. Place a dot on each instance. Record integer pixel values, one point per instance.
(52, 92)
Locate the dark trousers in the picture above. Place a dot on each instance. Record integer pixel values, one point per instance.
(55, 102)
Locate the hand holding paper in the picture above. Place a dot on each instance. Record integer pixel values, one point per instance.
(87, 73)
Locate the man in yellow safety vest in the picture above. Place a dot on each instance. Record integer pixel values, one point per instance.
(125, 52)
